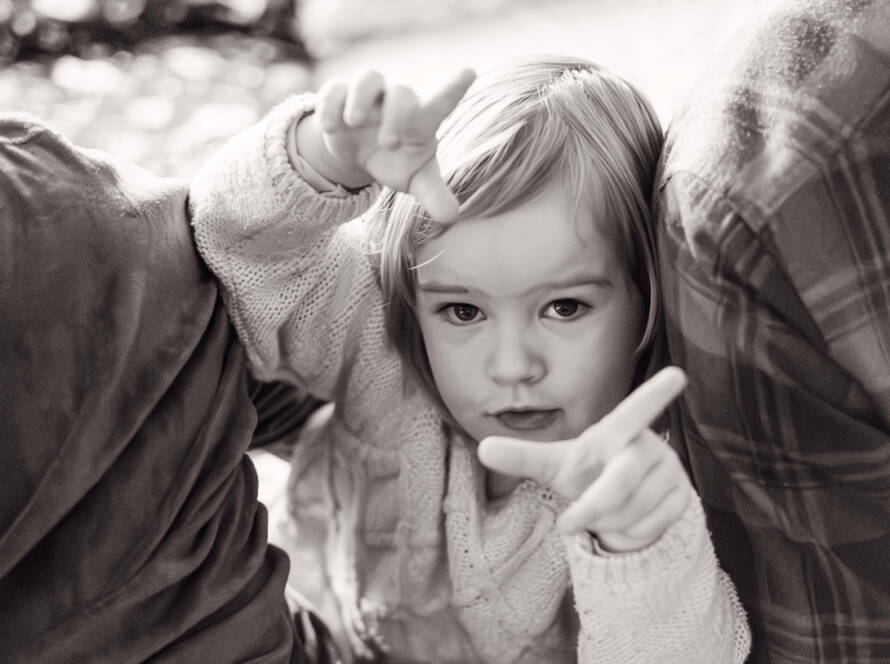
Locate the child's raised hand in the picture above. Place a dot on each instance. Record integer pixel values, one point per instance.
(385, 133)
(627, 484)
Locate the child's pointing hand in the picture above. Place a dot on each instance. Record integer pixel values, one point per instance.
(364, 130)
(627, 484)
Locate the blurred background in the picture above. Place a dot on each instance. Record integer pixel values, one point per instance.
(164, 82)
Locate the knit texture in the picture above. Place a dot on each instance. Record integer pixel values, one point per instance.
(421, 565)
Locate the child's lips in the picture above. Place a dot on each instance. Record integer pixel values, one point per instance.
(527, 420)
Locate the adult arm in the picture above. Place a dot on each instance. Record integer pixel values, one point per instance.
(129, 525)
(773, 234)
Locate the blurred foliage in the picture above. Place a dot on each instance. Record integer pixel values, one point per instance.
(161, 83)
(90, 28)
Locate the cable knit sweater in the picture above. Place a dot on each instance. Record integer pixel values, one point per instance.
(423, 566)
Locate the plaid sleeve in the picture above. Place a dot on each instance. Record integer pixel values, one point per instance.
(777, 297)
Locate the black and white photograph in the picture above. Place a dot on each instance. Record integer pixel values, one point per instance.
(457, 332)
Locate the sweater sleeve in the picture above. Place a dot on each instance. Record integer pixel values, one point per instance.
(293, 264)
(670, 602)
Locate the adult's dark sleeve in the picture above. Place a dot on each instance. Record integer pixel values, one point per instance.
(129, 525)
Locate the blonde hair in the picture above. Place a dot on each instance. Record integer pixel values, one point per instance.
(521, 127)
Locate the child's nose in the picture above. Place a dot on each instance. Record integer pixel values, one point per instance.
(514, 358)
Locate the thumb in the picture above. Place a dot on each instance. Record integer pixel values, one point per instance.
(524, 458)
(428, 187)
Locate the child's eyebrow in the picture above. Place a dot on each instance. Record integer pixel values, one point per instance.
(435, 287)
(573, 281)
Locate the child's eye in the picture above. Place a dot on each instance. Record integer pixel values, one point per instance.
(565, 309)
(461, 314)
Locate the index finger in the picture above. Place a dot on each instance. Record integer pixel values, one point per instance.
(428, 187)
(642, 406)
(443, 101)
(541, 461)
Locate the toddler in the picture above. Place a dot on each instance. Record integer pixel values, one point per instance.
(504, 284)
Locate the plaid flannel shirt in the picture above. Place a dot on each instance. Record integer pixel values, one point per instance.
(773, 209)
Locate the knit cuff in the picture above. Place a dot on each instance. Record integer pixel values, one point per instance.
(659, 564)
(290, 187)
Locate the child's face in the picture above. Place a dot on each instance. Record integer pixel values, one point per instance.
(530, 320)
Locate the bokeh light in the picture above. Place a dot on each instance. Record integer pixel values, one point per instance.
(165, 82)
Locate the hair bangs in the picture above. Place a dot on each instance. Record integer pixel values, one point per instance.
(514, 167)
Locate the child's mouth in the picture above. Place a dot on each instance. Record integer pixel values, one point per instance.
(527, 420)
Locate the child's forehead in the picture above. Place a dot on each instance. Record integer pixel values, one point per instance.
(555, 207)
(541, 242)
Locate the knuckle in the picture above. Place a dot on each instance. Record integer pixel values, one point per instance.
(328, 95)
(367, 74)
(675, 503)
(367, 86)
(627, 475)
(646, 532)
(581, 467)
(684, 495)
(405, 96)
(651, 440)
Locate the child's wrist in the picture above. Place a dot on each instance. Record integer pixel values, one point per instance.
(600, 549)
(306, 140)
(617, 545)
